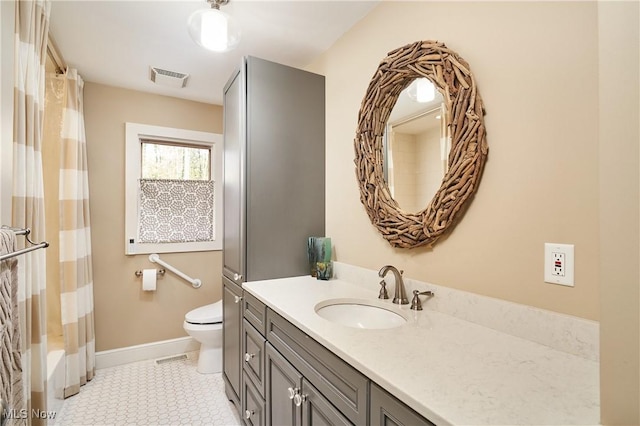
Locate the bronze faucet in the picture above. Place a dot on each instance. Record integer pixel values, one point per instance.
(400, 294)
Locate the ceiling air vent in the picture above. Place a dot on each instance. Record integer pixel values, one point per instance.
(169, 78)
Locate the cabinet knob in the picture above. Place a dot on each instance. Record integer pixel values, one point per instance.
(237, 299)
(248, 414)
(292, 392)
(248, 356)
(237, 276)
(298, 399)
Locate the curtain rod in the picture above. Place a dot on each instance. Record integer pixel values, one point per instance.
(55, 55)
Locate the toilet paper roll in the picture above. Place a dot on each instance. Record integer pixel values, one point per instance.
(149, 277)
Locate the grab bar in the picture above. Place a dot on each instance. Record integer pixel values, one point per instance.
(155, 258)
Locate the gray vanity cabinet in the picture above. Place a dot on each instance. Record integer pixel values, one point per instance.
(290, 379)
(274, 185)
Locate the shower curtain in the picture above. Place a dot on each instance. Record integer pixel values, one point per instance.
(76, 275)
(31, 28)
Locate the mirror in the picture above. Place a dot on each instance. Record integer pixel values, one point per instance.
(416, 147)
(463, 123)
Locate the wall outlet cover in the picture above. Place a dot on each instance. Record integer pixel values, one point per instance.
(559, 264)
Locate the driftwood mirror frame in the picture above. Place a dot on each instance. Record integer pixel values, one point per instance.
(452, 77)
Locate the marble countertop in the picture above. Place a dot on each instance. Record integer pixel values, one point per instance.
(449, 370)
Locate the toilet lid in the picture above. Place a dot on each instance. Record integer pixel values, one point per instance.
(208, 314)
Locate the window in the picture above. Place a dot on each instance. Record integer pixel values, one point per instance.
(173, 190)
(166, 160)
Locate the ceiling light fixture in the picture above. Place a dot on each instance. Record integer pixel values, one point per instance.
(213, 29)
(422, 90)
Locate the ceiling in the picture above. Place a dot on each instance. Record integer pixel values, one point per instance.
(116, 42)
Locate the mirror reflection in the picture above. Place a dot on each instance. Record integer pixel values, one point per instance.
(416, 146)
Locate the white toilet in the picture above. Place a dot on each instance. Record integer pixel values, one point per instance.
(205, 325)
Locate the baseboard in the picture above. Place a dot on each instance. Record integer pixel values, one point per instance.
(114, 357)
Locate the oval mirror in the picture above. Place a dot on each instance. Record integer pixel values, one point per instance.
(416, 146)
(464, 135)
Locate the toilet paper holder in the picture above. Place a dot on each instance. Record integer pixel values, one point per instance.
(159, 272)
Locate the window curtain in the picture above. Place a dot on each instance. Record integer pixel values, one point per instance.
(31, 28)
(175, 211)
(76, 274)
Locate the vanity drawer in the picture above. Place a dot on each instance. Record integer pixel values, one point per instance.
(255, 312)
(253, 356)
(253, 409)
(342, 385)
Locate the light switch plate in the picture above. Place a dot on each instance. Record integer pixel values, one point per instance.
(559, 264)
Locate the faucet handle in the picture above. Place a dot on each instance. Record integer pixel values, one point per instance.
(416, 304)
(383, 290)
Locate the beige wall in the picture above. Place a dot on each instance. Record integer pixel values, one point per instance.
(124, 315)
(619, 212)
(562, 167)
(536, 65)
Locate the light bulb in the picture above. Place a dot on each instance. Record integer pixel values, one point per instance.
(425, 91)
(214, 30)
(422, 90)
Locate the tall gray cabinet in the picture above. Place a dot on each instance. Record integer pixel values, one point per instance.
(274, 186)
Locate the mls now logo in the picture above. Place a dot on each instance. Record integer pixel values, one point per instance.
(24, 414)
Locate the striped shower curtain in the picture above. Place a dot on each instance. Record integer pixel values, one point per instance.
(32, 25)
(76, 276)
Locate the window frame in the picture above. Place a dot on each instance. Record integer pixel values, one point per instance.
(135, 134)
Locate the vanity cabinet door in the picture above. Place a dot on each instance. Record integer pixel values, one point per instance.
(317, 410)
(283, 382)
(231, 339)
(387, 410)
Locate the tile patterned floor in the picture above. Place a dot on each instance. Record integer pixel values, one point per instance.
(145, 393)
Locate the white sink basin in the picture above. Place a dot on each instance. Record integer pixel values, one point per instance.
(360, 313)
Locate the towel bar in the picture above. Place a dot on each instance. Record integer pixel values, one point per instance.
(25, 232)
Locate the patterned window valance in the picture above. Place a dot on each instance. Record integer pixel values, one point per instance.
(175, 211)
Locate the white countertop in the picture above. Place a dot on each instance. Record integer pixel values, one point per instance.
(449, 370)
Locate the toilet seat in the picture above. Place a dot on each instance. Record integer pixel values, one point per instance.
(208, 314)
